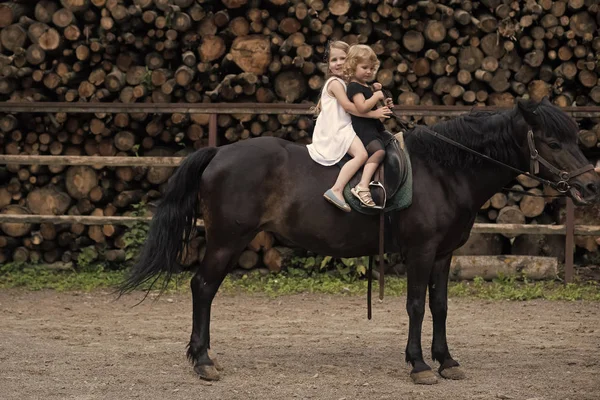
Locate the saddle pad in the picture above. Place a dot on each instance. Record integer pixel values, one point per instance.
(402, 198)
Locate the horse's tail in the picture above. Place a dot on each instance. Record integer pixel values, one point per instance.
(172, 224)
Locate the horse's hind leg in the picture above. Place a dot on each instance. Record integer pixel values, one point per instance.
(438, 304)
(217, 262)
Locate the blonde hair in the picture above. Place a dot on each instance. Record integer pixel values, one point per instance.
(359, 53)
(338, 45)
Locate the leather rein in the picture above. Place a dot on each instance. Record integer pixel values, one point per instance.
(561, 186)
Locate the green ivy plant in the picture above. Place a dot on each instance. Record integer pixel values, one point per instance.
(348, 269)
(136, 235)
(147, 80)
(87, 259)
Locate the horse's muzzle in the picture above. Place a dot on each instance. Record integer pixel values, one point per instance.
(587, 193)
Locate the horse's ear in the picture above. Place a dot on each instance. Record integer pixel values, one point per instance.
(528, 108)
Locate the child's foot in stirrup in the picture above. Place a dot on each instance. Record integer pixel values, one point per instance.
(364, 195)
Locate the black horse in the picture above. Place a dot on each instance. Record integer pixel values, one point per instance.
(272, 184)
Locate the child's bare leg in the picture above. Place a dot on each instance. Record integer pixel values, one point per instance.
(375, 148)
(368, 172)
(359, 156)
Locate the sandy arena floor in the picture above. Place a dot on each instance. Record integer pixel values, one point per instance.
(88, 346)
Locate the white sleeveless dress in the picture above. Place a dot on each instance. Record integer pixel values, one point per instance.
(333, 131)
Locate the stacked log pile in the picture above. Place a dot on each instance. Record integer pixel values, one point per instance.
(431, 52)
(516, 207)
(485, 52)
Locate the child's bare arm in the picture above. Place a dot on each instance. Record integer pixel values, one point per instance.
(364, 105)
(337, 90)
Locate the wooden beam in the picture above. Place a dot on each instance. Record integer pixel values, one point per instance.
(519, 229)
(212, 131)
(248, 108)
(76, 219)
(157, 108)
(91, 160)
(526, 229)
(105, 161)
(569, 241)
(71, 219)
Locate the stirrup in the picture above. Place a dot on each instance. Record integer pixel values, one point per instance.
(379, 185)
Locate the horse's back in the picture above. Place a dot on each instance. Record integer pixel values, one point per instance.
(261, 156)
(259, 170)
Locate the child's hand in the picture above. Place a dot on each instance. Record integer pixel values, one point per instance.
(383, 112)
(377, 86)
(389, 102)
(379, 95)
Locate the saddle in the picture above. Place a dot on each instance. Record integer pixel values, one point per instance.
(391, 173)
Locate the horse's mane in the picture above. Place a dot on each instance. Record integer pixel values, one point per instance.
(487, 132)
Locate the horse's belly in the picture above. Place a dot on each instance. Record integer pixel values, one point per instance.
(335, 249)
(341, 236)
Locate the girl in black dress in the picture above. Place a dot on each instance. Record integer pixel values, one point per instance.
(361, 67)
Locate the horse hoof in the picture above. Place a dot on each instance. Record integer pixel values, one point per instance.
(213, 358)
(455, 373)
(424, 377)
(217, 365)
(207, 372)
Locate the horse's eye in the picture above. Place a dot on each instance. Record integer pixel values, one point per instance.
(554, 145)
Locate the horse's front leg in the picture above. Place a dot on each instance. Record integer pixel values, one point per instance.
(438, 304)
(419, 265)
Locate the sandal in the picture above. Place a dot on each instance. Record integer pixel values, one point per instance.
(364, 195)
(333, 199)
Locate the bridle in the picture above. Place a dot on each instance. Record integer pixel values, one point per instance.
(563, 184)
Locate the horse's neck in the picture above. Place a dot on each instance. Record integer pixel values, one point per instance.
(490, 178)
(486, 182)
(473, 185)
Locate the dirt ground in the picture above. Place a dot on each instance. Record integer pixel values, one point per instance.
(87, 346)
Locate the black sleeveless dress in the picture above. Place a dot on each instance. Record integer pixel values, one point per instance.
(367, 129)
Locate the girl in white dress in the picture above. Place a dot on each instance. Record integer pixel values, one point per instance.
(333, 135)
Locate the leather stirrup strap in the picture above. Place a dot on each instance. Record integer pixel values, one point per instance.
(369, 286)
(381, 242)
(381, 265)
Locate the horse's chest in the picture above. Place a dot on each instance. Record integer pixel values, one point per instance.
(459, 233)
